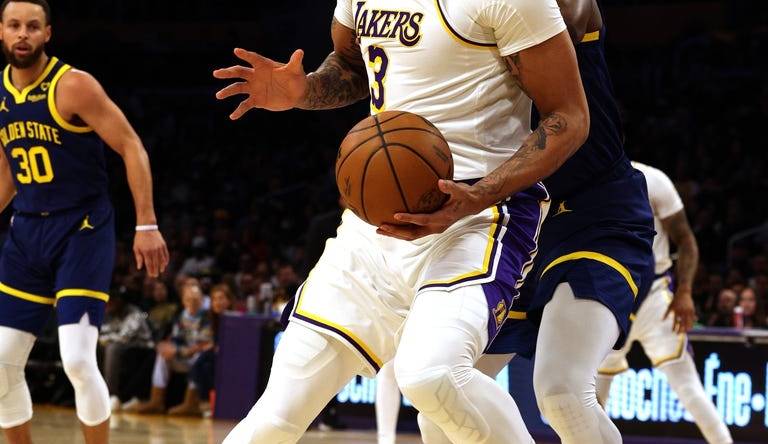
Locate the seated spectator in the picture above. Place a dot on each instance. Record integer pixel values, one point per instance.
(124, 339)
(723, 317)
(199, 262)
(190, 336)
(753, 309)
(202, 373)
(163, 311)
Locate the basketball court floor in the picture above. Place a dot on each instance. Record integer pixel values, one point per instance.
(55, 425)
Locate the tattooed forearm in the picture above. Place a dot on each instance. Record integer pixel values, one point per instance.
(334, 85)
(688, 251)
(341, 79)
(532, 162)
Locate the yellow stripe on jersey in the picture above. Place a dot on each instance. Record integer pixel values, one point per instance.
(456, 36)
(520, 315)
(320, 320)
(21, 96)
(81, 292)
(26, 296)
(591, 37)
(486, 257)
(55, 112)
(592, 255)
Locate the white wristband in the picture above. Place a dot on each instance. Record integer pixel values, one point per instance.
(147, 228)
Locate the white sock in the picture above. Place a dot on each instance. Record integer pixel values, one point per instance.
(684, 380)
(574, 338)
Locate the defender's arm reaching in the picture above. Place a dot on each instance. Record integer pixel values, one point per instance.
(340, 81)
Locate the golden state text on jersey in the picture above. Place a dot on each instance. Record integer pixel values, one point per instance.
(56, 165)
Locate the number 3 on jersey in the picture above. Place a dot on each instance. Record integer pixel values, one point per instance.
(33, 164)
(378, 62)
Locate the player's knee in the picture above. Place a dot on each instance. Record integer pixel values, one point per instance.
(570, 389)
(15, 401)
(422, 385)
(80, 369)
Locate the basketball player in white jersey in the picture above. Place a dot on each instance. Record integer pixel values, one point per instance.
(472, 67)
(663, 319)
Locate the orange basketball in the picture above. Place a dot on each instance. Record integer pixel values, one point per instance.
(390, 163)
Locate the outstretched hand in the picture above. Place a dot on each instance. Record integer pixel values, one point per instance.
(268, 84)
(463, 201)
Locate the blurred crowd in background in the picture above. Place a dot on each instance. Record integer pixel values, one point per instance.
(246, 206)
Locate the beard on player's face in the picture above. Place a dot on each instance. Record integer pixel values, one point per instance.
(25, 61)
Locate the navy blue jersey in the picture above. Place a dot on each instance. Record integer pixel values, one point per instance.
(603, 150)
(55, 165)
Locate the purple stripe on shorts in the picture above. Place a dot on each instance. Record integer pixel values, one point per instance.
(519, 249)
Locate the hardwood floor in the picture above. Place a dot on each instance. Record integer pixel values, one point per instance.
(53, 425)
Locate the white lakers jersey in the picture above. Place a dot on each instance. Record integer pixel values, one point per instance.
(442, 59)
(665, 202)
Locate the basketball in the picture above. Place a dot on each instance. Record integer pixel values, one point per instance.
(390, 163)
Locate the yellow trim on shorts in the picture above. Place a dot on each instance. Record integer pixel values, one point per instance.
(591, 36)
(612, 371)
(486, 256)
(21, 96)
(26, 296)
(336, 326)
(81, 292)
(599, 257)
(55, 112)
(520, 315)
(675, 356)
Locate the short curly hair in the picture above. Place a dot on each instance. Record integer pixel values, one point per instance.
(42, 3)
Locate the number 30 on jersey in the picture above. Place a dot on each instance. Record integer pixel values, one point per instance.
(34, 165)
(378, 62)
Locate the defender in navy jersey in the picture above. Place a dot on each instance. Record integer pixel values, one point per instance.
(59, 251)
(594, 264)
(597, 240)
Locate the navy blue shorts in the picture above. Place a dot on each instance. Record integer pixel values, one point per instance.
(62, 260)
(600, 242)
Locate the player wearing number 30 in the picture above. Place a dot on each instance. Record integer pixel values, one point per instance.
(60, 248)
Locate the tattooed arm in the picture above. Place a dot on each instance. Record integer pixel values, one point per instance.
(687, 261)
(340, 80)
(548, 73)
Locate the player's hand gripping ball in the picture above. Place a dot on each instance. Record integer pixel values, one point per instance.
(390, 163)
